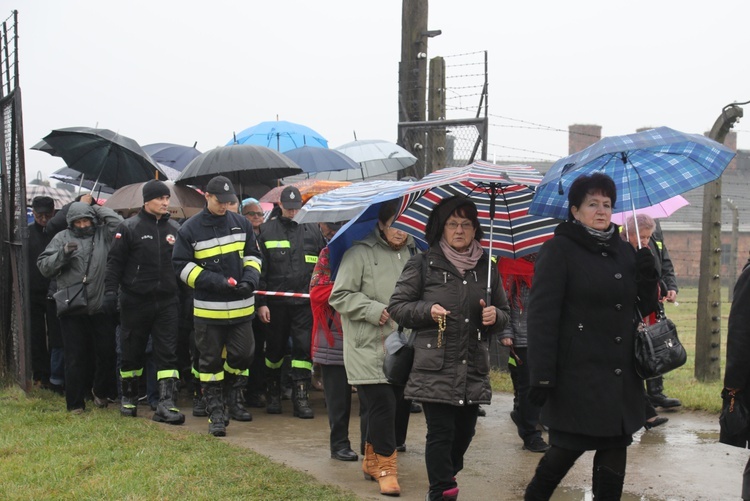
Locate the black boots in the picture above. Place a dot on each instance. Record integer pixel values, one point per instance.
(129, 402)
(166, 410)
(655, 389)
(235, 398)
(273, 398)
(215, 406)
(301, 400)
(199, 403)
(607, 484)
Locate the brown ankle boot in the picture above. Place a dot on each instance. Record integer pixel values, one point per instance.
(370, 463)
(388, 474)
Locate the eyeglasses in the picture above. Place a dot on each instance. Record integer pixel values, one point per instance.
(466, 225)
(253, 213)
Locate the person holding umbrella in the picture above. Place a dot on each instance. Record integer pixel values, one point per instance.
(139, 267)
(216, 254)
(363, 285)
(581, 325)
(78, 255)
(444, 297)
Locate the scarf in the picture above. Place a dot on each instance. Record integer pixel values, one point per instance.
(515, 273)
(465, 260)
(601, 237)
(321, 286)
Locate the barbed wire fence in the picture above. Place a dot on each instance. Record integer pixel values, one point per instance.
(14, 339)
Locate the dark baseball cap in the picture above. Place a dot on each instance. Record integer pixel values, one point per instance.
(223, 189)
(43, 205)
(291, 198)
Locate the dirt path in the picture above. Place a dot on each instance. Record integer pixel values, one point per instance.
(681, 460)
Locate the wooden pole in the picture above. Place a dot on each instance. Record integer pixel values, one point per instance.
(708, 321)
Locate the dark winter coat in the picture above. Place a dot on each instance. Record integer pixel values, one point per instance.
(455, 371)
(38, 240)
(581, 327)
(737, 374)
(209, 250)
(290, 251)
(140, 260)
(70, 269)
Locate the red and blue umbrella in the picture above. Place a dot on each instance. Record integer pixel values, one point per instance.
(502, 194)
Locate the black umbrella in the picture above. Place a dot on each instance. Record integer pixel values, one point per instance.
(71, 176)
(243, 164)
(102, 155)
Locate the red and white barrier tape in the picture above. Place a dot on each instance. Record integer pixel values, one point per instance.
(282, 294)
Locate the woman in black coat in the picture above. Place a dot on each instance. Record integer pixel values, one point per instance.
(737, 373)
(581, 328)
(441, 295)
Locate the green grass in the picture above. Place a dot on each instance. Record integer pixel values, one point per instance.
(47, 453)
(680, 383)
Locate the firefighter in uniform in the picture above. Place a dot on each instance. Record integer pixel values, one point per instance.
(217, 255)
(140, 266)
(290, 251)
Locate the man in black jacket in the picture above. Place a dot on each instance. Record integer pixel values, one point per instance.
(216, 254)
(140, 265)
(47, 363)
(290, 251)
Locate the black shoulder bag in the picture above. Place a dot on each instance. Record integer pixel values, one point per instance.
(658, 350)
(73, 300)
(399, 350)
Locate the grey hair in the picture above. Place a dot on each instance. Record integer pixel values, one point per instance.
(645, 222)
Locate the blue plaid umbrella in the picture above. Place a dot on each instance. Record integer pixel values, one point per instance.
(647, 167)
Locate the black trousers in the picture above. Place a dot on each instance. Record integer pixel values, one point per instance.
(210, 341)
(338, 396)
(290, 321)
(450, 429)
(386, 415)
(527, 414)
(45, 335)
(90, 358)
(256, 382)
(143, 317)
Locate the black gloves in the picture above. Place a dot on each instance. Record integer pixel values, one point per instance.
(644, 262)
(109, 306)
(244, 289)
(69, 248)
(538, 396)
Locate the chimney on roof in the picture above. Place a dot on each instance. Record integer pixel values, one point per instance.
(581, 136)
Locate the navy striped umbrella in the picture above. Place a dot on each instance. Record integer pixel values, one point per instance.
(502, 194)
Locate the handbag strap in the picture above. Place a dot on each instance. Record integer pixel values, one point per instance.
(88, 264)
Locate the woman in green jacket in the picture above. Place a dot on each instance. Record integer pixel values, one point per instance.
(364, 284)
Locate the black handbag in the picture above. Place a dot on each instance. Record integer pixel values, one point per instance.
(399, 357)
(734, 421)
(658, 350)
(73, 300)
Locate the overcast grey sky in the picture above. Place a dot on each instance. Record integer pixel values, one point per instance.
(183, 71)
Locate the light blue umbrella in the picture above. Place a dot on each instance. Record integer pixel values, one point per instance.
(647, 167)
(280, 136)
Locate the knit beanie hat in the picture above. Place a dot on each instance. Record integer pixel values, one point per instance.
(155, 189)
